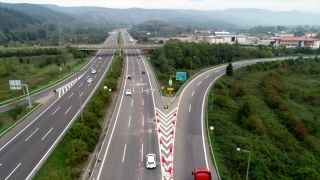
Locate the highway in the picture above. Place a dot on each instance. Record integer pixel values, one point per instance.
(25, 146)
(191, 147)
(133, 132)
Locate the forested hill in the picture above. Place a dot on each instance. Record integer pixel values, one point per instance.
(44, 12)
(17, 20)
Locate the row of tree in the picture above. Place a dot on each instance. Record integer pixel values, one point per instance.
(31, 52)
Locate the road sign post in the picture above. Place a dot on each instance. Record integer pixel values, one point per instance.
(181, 76)
(16, 85)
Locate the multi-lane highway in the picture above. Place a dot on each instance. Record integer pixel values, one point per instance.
(24, 147)
(133, 133)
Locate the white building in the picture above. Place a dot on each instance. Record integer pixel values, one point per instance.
(221, 33)
(225, 39)
(310, 34)
(284, 34)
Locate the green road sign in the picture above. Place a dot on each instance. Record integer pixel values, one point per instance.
(181, 76)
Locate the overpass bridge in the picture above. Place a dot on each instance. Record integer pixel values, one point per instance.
(119, 46)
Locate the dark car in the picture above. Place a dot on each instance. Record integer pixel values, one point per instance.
(129, 77)
(143, 72)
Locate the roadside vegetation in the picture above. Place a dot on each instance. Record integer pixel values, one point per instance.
(177, 56)
(8, 118)
(271, 109)
(37, 67)
(69, 157)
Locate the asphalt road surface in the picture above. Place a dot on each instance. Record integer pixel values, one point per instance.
(133, 133)
(22, 148)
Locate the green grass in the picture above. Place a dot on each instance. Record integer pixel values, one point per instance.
(8, 118)
(282, 133)
(36, 78)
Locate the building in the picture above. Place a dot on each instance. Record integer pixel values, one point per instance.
(296, 42)
(284, 34)
(310, 34)
(214, 39)
(221, 33)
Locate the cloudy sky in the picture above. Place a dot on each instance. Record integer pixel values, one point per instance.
(275, 5)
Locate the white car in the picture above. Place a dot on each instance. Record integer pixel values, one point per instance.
(128, 92)
(99, 57)
(151, 161)
(93, 71)
(139, 56)
(89, 80)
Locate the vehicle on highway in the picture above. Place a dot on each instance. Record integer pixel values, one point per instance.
(139, 56)
(143, 72)
(200, 173)
(128, 92)
(129, 77)
(89, 80)
(99, 57)
(151, 161)
(93, 71)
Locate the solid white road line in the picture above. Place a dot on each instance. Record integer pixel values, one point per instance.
(32, 134)
(124, 152)
(192, 93)
(68, 110)
(189, 107)
(199, 83)
(129, 121)
(70, 96)
(142, 120)
(81, 94)
(131, 102)
(81, 84)
(55, 111)
(47, 134)
(13, 171)
(142, 152)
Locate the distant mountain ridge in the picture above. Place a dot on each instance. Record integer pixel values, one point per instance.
(239, 17)
(45, 13)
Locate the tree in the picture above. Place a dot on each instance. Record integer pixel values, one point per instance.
(20, 60)
(76, 151)
(52, 27)
(316, 59)
(28, 62)
(42, 33)
(229, 70)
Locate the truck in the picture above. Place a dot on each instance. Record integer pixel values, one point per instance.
(201, 173)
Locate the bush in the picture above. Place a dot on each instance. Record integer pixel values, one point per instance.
(76, 151)
(222, 101)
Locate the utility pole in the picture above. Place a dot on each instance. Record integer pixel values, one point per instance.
(21, 82)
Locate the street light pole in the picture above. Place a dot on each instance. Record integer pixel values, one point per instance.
(239, 149)
(21, 82)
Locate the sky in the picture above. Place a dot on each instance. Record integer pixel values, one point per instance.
(311, 6)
